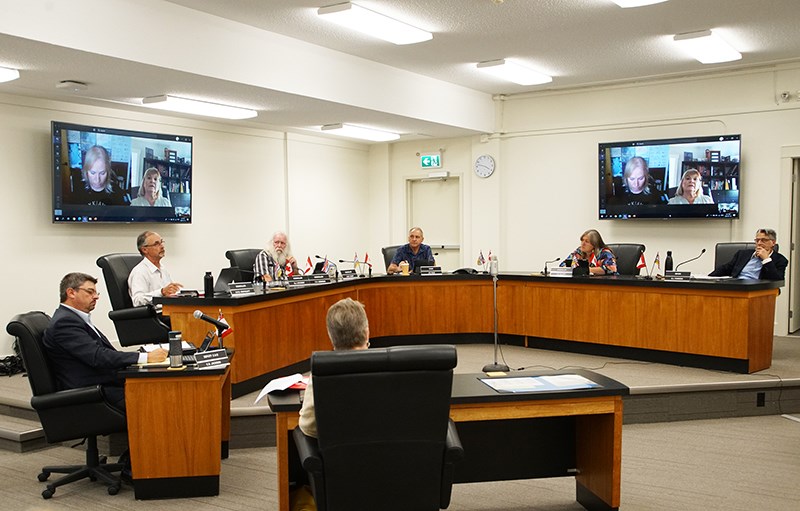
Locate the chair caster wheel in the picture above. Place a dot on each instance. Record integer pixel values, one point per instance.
(113, 489)
(46, 494)
(44, 476)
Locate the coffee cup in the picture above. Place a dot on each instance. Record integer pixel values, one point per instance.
(404, 267)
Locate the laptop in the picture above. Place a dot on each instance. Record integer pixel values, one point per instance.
(226, 276)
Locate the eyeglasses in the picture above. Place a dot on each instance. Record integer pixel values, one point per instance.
(91, 292)
(763, 240)
(159, 243)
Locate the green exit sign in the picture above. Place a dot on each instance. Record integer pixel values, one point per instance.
(431, 161)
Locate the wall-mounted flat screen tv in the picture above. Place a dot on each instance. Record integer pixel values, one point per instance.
(113, 175)
(693, 177)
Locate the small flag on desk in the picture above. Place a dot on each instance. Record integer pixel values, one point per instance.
(356, 262)
(642, 263)
(366, 259)
(309, 266)
(221, 318)
(592, 260)
(289, 269)
(325, 264)
(657, 262)
(481, 260)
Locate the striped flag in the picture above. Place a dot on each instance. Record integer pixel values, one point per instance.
(481, 260)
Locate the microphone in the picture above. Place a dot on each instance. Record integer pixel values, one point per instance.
(548, 262)
(223, 328)
(690, 260)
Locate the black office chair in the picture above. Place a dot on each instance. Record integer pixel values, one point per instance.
(243, 258)
(385, 439)
(66, 414)
(388, 254)
(724, 252)
(134, 325)
(628, 256)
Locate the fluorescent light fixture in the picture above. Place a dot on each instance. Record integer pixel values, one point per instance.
(193, 106)
(636, 3)
(514, 72)
(707, 47)
(372, 23)
(348, 130)
(7, 74)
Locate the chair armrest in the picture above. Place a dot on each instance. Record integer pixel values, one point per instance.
(141, 312)
(68, 398)
(454, 452)
(308, 450)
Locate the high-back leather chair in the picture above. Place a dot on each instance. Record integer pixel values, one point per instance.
(723, 252)
(385, 438)
(628, 256)
(243, 258)
(134, 325)
(66, 414)
(388, 254)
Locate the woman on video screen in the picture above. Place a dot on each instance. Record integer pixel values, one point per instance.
(150, 192)
(636, 185)
(690, 191)
(100, 185)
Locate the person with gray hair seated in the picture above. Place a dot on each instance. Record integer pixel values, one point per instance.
(348, 329)
(764, 263)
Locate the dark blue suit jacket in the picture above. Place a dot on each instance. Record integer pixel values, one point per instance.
(773, 270)
(79, 356)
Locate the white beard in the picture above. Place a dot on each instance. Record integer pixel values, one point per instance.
(278, 257)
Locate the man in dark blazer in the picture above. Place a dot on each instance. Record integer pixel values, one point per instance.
(764, 263)
(80, 355)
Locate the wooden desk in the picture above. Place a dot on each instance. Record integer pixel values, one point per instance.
(573, 433)
(725, 325)
(178, 430)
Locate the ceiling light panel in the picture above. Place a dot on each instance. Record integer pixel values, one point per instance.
(513, 72)
(636, 3)
(360, 132)
(374, 24)
(707, 47)
(193, 106)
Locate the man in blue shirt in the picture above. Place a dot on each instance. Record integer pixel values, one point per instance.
(764, 263)
(415, 253)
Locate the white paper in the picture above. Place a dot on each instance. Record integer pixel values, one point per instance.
(568, 380)
(282, 383)
(147, 348)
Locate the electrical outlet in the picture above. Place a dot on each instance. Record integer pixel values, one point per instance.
(785, 96)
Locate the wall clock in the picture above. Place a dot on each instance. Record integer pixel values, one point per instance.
(484, 165)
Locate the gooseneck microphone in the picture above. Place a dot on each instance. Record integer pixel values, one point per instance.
(690, 260)
(224, 328)
(548, 262)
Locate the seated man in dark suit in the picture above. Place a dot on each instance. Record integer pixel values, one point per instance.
(764, 263)
(80, 355)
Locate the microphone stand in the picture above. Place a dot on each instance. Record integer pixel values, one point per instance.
(495, 366)
(548, 262)
(690, 260)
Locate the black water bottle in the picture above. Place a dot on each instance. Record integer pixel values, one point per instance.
(668, 261)
(208, 285)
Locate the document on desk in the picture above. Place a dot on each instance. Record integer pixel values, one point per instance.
(282, 384)
(540, 383)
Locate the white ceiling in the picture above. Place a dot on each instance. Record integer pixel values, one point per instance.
(254, 53)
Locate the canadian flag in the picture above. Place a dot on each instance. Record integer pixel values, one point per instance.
(592, 260)
(289, 270)
(309, 266)
(642, 263)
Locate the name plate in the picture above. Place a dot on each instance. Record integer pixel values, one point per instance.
(430, 270)
(211, 359)
(560, 271)
(677, 275)
(241, 288)
(309, 280)
(350, 274)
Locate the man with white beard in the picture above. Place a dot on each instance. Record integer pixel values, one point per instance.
(273, 260)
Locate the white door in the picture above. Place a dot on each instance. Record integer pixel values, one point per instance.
(789, 251)
(435, 206)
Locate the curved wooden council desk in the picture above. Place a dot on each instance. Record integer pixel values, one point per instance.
(724, 325)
